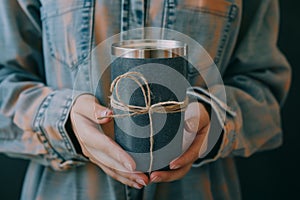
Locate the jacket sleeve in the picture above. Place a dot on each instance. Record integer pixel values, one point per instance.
(256, 81)
(30, 126)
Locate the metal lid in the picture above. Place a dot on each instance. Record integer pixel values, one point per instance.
(149, 49)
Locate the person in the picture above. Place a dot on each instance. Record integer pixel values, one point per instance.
(45, 42)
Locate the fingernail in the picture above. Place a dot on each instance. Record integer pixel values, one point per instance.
(128, 166)
(137, 186)
(102, 114)
(155, 179)
(141, 181)
(174, 166)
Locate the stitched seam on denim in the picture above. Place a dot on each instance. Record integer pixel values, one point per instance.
(91, 27)
(87, 60)
(137, 20)
(171, 14)
(84, 45)
(61, 11)
(224, 39)
(46, 27)
(85, 34)
(37, 126)
(125, 15)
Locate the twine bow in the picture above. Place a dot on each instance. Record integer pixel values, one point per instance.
(160, 107)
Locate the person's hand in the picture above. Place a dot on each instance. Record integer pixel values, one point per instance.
(101, 149)
(197, 122)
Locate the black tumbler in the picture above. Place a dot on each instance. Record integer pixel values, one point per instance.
(164, 65)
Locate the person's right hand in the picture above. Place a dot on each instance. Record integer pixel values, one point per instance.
(101, 149)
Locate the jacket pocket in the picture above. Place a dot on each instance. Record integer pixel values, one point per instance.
(209, 22)
(67, 29)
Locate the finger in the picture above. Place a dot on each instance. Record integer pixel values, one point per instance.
(121, 179)
(110, 148)
(89, 107)
(131, 179)
(102, 147)
(110, 153)
(190, 155)
(168, 176)
(102, 114)
(82, 123)
(112, 162)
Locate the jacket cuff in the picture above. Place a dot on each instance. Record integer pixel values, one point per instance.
(219, 141)
(50, 125)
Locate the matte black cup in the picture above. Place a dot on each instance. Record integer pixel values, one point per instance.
(157, 61)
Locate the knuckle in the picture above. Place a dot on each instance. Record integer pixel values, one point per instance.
(131, 176)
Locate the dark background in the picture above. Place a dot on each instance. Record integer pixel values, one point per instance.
(267, 175)
(276, 174)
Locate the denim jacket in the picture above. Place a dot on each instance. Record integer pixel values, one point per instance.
(44, 42)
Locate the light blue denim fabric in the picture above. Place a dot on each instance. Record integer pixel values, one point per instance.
(44, 43)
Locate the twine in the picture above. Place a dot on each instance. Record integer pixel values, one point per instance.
(160, 107)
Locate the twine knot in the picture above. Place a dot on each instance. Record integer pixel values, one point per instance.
(132, 110)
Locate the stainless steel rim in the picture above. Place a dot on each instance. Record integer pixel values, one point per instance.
(149, 49)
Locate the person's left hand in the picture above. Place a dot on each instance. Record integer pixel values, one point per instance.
(197, 122)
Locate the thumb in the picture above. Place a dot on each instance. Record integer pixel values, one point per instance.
(88, 106)
(192, 124)
(196, 117)
(102, 114)
(192, 117)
